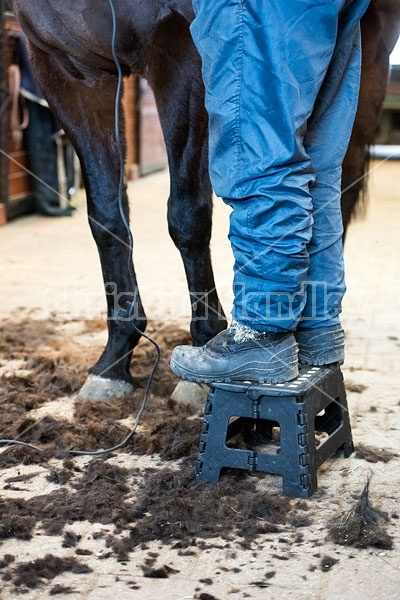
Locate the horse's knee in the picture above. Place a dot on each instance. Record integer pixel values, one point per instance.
(189, 223)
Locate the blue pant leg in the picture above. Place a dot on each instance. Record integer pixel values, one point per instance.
(326, 142)
(263, 66)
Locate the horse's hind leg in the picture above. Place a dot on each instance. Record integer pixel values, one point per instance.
(175, 76)
(85, 108)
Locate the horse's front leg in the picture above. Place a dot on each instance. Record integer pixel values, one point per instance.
(85, 108)
(175, 76)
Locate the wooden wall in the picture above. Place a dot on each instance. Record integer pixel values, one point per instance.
(16, 193)
(145, 146)
(146, 151)
(130, 102)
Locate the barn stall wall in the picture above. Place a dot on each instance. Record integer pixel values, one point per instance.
(3, 100)
(145, 146)
(16, 186)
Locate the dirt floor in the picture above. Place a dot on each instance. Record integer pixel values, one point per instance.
(136, 524)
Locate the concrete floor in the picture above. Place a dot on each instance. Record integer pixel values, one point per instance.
(50, 269)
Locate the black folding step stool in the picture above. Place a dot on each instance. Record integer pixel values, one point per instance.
(314, 402)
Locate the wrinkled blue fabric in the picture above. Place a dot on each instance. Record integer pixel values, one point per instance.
(282, 82)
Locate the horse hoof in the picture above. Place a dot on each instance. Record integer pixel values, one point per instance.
(98, 388)
(193, 393)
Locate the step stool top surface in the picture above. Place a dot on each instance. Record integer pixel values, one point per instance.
(308, 377)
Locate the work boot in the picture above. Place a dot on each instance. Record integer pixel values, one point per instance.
(239, 354)
(321, 346)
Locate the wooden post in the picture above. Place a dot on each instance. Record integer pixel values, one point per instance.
(3, 118)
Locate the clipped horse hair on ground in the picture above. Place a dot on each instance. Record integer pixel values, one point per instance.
(361, 527)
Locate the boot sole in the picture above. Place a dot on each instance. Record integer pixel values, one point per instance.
(247, 372)
(319, 362)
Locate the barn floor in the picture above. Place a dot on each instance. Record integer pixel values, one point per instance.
(151, 531)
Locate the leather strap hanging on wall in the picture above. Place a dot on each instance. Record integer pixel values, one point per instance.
(19, 116)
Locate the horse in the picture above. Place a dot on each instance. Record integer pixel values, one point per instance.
(74, 62)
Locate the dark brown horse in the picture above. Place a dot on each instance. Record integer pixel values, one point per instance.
(72, 55)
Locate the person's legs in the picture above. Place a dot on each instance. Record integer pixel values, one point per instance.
(263, 68)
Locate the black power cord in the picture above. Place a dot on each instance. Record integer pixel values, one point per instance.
(130, 263)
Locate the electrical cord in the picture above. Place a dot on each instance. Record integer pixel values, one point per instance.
(130, 266)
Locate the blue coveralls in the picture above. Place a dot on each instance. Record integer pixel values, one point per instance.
(282, 82)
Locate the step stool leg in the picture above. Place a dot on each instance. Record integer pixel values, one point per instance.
(300, 473)
(212, 442)
(345, 450)
(304, 487)
(206, 472)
